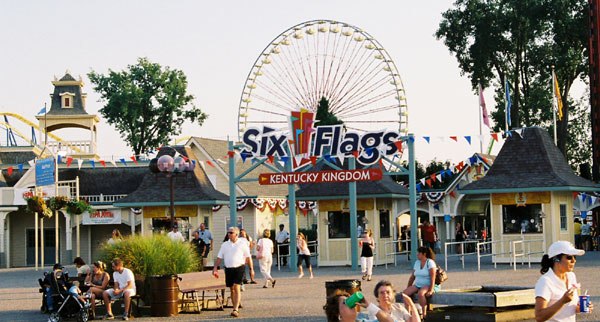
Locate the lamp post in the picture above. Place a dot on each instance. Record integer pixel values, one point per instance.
(171, 167)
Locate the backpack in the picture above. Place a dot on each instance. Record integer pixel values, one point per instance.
(440, 275)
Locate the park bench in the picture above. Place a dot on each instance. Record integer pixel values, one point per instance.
(195, 286)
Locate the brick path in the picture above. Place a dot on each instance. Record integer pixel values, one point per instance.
(296, 299)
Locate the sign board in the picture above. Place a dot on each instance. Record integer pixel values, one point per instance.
(44, 172)
(447, 218)
(583, 214)
(320, 176)
(240, 222)
(101, 217)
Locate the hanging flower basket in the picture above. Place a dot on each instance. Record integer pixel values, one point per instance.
(37, 204)
(57, 203)
(77, 207)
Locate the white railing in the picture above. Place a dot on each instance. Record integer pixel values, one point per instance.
(462, 255)
(490, 249)
(72, 146)
(524, 244)
(393, 248)
(101, 198)
(313, 247)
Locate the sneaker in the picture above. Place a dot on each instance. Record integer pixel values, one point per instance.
(253, 282)
(301, 275)
(242, 288)
(368, 277)
(273, 283)
(364, 277)
(264, 286)
(108, 317)
(125, 318)
(235, 313)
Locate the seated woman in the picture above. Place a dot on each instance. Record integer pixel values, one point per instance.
(98, 282)
(337, 310)
(386, 298)
(423, 277)
(83, 270)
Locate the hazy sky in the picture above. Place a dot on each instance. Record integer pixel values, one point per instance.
(215, 44)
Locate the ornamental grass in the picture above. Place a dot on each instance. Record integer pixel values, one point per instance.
(152, 255)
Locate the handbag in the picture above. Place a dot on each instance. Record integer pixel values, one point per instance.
(440, 275)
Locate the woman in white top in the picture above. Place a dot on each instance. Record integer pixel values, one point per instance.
(303, 254)
(386, 299)
(422, 280)
(264, 253)
(557, 291)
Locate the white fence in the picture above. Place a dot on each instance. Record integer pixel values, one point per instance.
(313, 247)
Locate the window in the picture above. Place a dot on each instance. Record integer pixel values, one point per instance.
(522, 219)
(339, 223)
(563, 217)
(67, 102)
(384, 224)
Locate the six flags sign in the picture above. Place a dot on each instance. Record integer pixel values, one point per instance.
(307, 141)
(325, 140)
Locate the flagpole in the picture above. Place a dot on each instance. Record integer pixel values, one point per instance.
(480, 116)
(506, 105)
(554, 106)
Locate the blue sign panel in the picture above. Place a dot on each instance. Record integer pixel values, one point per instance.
(447, 218)
(44, 172)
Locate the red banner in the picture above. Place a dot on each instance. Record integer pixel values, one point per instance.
(320, 176)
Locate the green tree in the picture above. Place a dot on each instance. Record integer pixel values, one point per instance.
(519, 41)
(146, 103)
(324, 116)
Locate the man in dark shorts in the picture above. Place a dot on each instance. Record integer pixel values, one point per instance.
(233, 253)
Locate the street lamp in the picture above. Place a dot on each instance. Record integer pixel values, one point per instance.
(171, 167)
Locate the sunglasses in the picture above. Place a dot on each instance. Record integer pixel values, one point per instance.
(231, 232)
(571, 257)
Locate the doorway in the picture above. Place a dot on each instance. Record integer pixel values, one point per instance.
(49, 246)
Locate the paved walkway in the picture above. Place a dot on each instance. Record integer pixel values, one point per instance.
(296, 299)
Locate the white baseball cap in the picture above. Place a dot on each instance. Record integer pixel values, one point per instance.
(564, 247)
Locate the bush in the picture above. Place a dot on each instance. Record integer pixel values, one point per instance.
(153, 255)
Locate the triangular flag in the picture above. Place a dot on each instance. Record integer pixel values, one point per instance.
(453, 194)
(202, 164)
(20, 165)
(432, 176)
(455, 138)
(113, 163)
(468, 138)
(355, 154)
(436, 206)
(519, 132)
(428, 182)
(230, 154)
(79, 163)
(134, 159)
(31, 163)
(210, 163)
(221, 161)
(575, 195)
(271, 159)
(418, 187)
(59, 159)
(313, 160)
(9, 170)
(69, 161)
(123, 161)
(593, 200)
(103, 163)
(439, 177)
(398, 145)
(422, 181)
(285, 159)
(427, 138)
(495, 136)
(342, 158)
(93, 164)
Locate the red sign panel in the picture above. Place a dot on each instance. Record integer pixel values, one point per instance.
(320, 176)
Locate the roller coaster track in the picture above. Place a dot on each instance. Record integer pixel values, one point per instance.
(37, 127)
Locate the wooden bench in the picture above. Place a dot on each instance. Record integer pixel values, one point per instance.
(194, 286)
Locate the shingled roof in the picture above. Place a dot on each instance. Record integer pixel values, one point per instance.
(106, 181)
(190, 188)
(386, 187)
(529, 162)
(56, 105)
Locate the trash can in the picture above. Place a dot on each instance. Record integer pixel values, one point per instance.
(165, 296)
(350, 286)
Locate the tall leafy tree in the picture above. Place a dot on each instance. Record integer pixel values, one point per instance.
(519, 41)
(146, 103)
(324, 116)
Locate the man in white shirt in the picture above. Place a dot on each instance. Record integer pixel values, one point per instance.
(124, 287)
(233, 253)
(175, 235)
(283, 237)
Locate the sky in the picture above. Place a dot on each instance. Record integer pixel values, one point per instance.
(215, 44)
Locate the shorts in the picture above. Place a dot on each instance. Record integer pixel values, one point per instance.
(111, 292)
(306, 259)
(436, 287)
(234, 275)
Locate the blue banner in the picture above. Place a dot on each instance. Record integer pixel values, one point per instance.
(44, 172)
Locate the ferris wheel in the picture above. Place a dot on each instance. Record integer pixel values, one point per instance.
(324, 59)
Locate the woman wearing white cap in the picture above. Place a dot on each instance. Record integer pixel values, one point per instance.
(556, 292)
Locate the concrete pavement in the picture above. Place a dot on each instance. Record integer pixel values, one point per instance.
(296, 299)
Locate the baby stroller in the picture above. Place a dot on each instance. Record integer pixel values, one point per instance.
(67, 304)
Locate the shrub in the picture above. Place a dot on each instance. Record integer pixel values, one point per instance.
(37, 204)
(57, 203)
(152, 255)
(77, 207)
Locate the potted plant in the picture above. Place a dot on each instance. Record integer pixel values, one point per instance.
(57, 203)
(36, 204)
(155, 260)
(77, 207)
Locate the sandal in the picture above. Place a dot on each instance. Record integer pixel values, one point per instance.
(235, 313)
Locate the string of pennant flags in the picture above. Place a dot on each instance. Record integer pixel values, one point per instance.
(244, 155)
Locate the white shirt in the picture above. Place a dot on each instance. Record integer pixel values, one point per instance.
(282, 236)
(266, 246)
(175, 236)
(83, 269)
(124, 277)
(234, 254)
(422, 277)
(551, 288)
